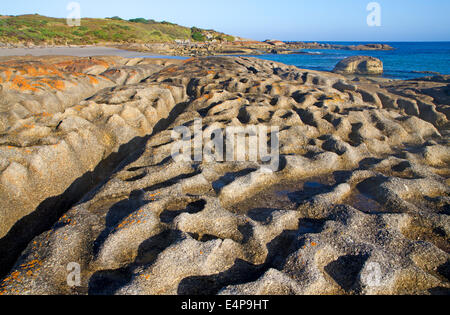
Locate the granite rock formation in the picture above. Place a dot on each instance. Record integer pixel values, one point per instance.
(364, 65)
(315, 45)
(358, 205)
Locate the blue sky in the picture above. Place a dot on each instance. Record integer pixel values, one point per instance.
(321, 20)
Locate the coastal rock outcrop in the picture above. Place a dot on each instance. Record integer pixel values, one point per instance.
(364, 65)
(315, 45)
(274, 42)
(357, 205)
(53, 139)
(370, 47)
(242, 47)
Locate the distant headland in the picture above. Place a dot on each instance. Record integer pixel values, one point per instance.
(143, 35)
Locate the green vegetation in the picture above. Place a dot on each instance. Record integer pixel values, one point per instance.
(224, 37)
(197, 35)
(45, 30)
(139, 20)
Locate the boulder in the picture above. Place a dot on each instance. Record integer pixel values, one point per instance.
(275, 42)
(360, 65)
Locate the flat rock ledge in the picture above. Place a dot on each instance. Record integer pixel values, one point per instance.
(359, 204)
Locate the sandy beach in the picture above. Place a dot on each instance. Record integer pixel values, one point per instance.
(76, 52)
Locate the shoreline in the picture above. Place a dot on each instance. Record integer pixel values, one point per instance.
(131, 52)
(198, 49)
(79, 51)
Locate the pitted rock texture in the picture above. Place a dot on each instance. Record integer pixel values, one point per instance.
(51, 134)
(56, 144)
(358, 205)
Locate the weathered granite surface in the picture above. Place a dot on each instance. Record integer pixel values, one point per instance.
(359, 204)
(363, 65)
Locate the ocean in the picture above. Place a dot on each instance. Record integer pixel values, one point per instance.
(402, 63)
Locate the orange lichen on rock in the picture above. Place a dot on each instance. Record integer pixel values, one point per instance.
(30, 265)
(54, 84)
(26, 78)
(206, 97)
(25, 270)
(171, 69)
(42, 115)
(334, 98)
(145, 276)
(67, 221)
(22, 84)
(277, 89)
(78, 108)
(188, 60)
(132, 219)
(8, 73)
(39, 71)
(39, 75)
(135, 218)
(153, 196)
(35, 69)
(92, 79)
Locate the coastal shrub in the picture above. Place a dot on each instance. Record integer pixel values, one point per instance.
(101, 34)
(197, 34)
(23, 22)
(198, 37)
(119, 37)
(8, 31)
(40, 29)
(115, 27)
(224, 37)
(42, 22)
(49, 33)
(31, 35)
(156, 33)
(229, 38)
(78, 33)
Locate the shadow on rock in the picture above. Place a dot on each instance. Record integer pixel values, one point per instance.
(242, 271)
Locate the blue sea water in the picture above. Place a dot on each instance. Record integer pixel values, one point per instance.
(401, 63)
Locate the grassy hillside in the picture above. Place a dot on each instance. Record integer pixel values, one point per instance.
(39, 29)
